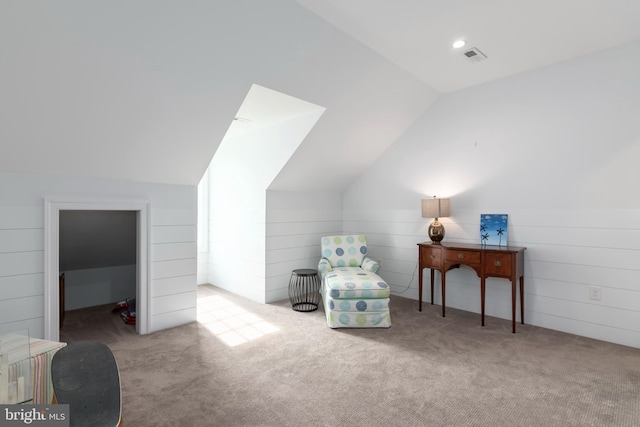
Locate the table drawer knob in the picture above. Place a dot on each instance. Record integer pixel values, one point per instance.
(498, 263)
(432, 257)
(460, 256)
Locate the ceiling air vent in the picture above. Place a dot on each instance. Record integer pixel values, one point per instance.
(474, 55)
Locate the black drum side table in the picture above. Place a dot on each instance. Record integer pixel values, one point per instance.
(304, 289)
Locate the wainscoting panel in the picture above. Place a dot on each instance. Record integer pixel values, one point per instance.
(295, 224)
(173, 234)
(568, 251)
(173, 251)
(171, 303)
(24, 285)
(21, 309)
(172, 285)
(21, 240)
(21, 217)
(21, 268)
(173, 268)
(173, 256)
(173, 318)
(18, 263)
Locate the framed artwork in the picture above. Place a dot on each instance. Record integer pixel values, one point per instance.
(493, 229)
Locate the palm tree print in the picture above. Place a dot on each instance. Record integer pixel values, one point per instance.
(493, 229)
(484, 238)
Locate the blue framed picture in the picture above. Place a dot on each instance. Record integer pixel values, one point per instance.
(493, 229)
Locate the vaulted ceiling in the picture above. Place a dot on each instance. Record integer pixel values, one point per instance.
(515, 35)
(146, 90)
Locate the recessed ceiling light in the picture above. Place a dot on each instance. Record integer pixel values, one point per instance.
(458, 44)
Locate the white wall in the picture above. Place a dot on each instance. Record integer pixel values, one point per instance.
(295, 223)
(97, 286)
(203, 229)
(239, 175)
(556, 149)
(172, 245)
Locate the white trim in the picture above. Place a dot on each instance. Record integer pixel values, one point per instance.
(203, 213)
(52, 208)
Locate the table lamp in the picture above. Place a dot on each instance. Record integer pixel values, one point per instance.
(435, 208)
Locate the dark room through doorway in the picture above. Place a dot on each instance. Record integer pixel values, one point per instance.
(98, 262)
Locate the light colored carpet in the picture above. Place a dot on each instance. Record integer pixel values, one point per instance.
(249, 364)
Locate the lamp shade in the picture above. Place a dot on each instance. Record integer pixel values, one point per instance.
(435, 208)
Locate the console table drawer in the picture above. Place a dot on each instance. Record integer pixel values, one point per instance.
(497, 264)
(430, 257)
(462, 257)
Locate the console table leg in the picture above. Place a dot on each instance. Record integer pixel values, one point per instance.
(442, 280)
(522, 299)
(420, 290)
(483, 290)
(432, 279)
(513, 306)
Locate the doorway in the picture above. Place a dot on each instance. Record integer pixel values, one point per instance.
(97, 255)
(53, 207)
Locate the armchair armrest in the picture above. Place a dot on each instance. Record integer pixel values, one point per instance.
(324, 267)
(369, 264)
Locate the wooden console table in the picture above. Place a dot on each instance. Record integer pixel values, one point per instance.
(505, 262)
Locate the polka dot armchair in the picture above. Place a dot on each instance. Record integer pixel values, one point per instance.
(354, 295)
(346, 251)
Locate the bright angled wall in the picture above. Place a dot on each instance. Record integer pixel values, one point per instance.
(247, 161)
(556, 149)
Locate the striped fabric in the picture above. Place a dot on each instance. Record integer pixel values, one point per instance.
(30, 365)
(42, 352)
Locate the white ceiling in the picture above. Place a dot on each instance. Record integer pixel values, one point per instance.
(515, 35)
(145, 91)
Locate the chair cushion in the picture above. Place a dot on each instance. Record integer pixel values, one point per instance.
(354, 282)
(358, 305)
(344, 251)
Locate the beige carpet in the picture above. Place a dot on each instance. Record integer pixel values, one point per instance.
(248, 364)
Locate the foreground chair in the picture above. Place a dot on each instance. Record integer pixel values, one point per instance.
(354, 296)
(85, 376)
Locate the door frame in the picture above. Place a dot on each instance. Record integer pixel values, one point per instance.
(52, 208)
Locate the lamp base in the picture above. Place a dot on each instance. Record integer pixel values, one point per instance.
(436, 231)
